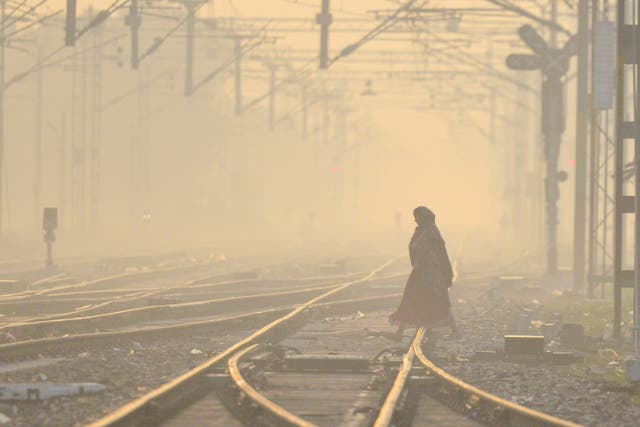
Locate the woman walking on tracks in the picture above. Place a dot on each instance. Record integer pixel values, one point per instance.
(425, 302)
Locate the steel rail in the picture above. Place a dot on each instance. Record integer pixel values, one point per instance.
(388, 408)
(524, 414)
(119, 278)
(130, 316)
(128, 301)
(123, 300)
(173, 393)
(32, 348)
(284, 416)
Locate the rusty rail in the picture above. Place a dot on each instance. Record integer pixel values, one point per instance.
(518, 415)
(283, 416)
(149, 409)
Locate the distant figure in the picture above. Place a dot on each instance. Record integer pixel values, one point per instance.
(425, 302)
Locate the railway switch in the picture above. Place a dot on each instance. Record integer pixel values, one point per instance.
(326, 363)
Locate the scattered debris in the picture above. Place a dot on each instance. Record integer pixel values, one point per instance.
(195, 351)
(4, 420)
(608, 353)
(42, 391)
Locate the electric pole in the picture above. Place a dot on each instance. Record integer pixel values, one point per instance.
(63, 141)
(324, 18)
(305, 111)
(326, 118)
(272, 95)
(133, 20)
(3, 15)
(582, 125)
(37, 189)
(96, 128)
(238, 55)
(188, 78)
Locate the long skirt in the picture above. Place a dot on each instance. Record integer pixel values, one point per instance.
(423, 304)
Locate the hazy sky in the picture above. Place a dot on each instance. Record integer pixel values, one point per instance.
(397, 158)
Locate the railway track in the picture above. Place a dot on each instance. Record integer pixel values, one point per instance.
(203, 301)
(156, 406)
(411, 390)
(252, 303)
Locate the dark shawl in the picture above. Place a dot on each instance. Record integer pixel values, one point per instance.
(429, 256)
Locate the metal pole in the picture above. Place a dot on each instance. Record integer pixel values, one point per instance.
(552, 151)
(238, 55)
(553, 39)
(2, 74)
(520, 136)
(84, 139)
(594, 172)
(492, 116)
(272, 96)
(188, 78)
(553, 126)
(63, 137)
(49, 254)
(324, 19)
(134, 22)
(619, 165)
(582, 127)
(636, 134)
(74, 148)
(96, 128)
(37, 190)
(305, 113)
(326, 118)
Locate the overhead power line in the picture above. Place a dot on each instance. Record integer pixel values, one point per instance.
(380, 28)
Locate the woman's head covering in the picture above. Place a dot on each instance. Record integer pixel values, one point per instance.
(424, 215)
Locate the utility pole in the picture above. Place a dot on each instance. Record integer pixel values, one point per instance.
(324, 18)
(188, 78)
(37, 189)
(84, 136)
(96, 128)
(553, 36)
(63, 141)
(3, 15)
(272, 96)
(492, 115)
(326, 117)
(238, 55)
(521, 138)
(74, 144)
(133, 20)
(582, 127)
(305, 112)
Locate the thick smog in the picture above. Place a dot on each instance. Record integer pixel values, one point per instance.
(319, 213)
